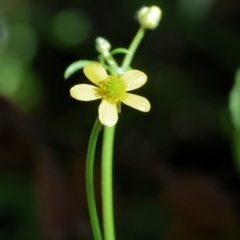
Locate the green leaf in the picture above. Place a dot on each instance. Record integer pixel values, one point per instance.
(120, 50)
(234, 102)
(75, 66)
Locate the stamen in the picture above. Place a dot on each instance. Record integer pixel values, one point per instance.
(113, 89)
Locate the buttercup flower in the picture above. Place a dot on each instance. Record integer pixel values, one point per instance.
(112, 89)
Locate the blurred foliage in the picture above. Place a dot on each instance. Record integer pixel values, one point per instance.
(17, 208)
(234, 106)
(71, 27)
(18, 48)
(191, 61)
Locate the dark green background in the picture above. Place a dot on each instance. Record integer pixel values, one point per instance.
(184, 142)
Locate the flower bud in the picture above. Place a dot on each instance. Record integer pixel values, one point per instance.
(149, 17)
(102, 45)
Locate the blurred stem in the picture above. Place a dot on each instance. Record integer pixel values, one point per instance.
(133, 47)
(112, 64)
(107, 196)
(90, 180)
(109, 59)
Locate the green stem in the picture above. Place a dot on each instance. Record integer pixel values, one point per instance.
(112, 68)
(110, 60)
(90, 180)
(107, 151)
(107, 196)
(133, 47)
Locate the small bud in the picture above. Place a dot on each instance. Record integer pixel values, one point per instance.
(102, 45)
(149, 17)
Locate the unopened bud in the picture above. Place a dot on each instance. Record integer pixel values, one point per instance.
(149, 17)
(102, 45)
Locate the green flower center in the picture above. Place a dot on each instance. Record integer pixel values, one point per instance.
(112, 89)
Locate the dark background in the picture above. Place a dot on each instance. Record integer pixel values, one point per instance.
(175, 171)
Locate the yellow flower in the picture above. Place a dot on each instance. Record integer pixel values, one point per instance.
(112, 89)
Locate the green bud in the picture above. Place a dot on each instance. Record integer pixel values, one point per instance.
(102, 45)
(149, 17)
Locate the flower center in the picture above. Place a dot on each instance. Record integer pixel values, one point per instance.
(112, 89)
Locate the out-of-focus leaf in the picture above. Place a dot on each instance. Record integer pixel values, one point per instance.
(23, 42)
(75, 66)
(234, 107)
(234, 102)
(70, 28)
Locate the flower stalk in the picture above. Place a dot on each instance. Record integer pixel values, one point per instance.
(107, 176)
(133, 47)
(112, 90)
(90, 180)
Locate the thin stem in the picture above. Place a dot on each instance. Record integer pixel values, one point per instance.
(110, 60)
(90, 181)
(112, 68)
(133, 47)
(107, 151)
(107, 196)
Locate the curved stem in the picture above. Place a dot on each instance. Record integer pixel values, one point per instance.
(107, 196)
(110, 59)
(133, 47)
(90, 181)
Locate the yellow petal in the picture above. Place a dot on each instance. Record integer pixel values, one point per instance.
(108, 114)
(95, 72)
(137, 102)
(83, 92)
(134, 79)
